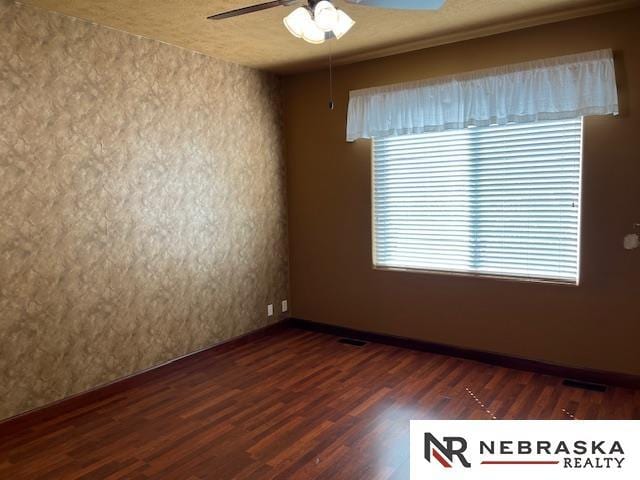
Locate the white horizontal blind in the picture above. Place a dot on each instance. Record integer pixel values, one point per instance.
(500, 200)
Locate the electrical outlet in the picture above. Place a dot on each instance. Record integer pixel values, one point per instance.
(270, 310)
(285, 306)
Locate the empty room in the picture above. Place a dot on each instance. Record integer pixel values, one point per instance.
(304, 239)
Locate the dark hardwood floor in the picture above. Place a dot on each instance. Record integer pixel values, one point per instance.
(290, 404)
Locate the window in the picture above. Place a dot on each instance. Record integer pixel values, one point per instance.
(495, 201)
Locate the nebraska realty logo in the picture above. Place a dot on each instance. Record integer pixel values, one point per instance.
(528, 449)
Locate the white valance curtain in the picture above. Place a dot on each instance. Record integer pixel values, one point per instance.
(552, 89)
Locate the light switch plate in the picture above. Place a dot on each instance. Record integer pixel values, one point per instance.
(270, 310)
(285, 306)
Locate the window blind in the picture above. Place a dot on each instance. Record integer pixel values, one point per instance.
(499, 200)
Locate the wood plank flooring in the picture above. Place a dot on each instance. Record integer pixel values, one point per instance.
(291, 404)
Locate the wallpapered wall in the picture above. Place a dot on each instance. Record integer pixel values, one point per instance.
(142, 204)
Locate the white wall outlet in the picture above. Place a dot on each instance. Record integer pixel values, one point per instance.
(270, 310)
(285, 306)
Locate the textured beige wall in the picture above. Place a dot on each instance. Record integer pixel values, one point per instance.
(595, 325)
(142, 204)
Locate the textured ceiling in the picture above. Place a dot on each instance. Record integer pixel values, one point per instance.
(260, 40)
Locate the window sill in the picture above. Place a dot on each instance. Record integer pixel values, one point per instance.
(508, 278)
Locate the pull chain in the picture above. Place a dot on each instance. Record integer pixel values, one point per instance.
(331, 104)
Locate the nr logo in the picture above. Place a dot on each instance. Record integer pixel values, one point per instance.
(444, 453)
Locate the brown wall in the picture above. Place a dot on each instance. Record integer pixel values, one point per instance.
(142, 204)
(595, 325)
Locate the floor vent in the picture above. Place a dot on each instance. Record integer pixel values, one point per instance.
(594, 387)
(351, 341)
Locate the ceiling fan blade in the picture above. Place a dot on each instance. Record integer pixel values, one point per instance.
(401, 4)
(250, 9)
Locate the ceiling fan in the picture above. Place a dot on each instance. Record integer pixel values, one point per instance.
(318, 20)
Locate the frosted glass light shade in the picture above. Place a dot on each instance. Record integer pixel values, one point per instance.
(311, 33)
(312, 26)
(297, 20)
(325, 15)
(343, 25)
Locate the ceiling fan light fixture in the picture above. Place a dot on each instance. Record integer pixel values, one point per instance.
(297, 21)
(325, 15)
(343, 25)
(311, 33)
